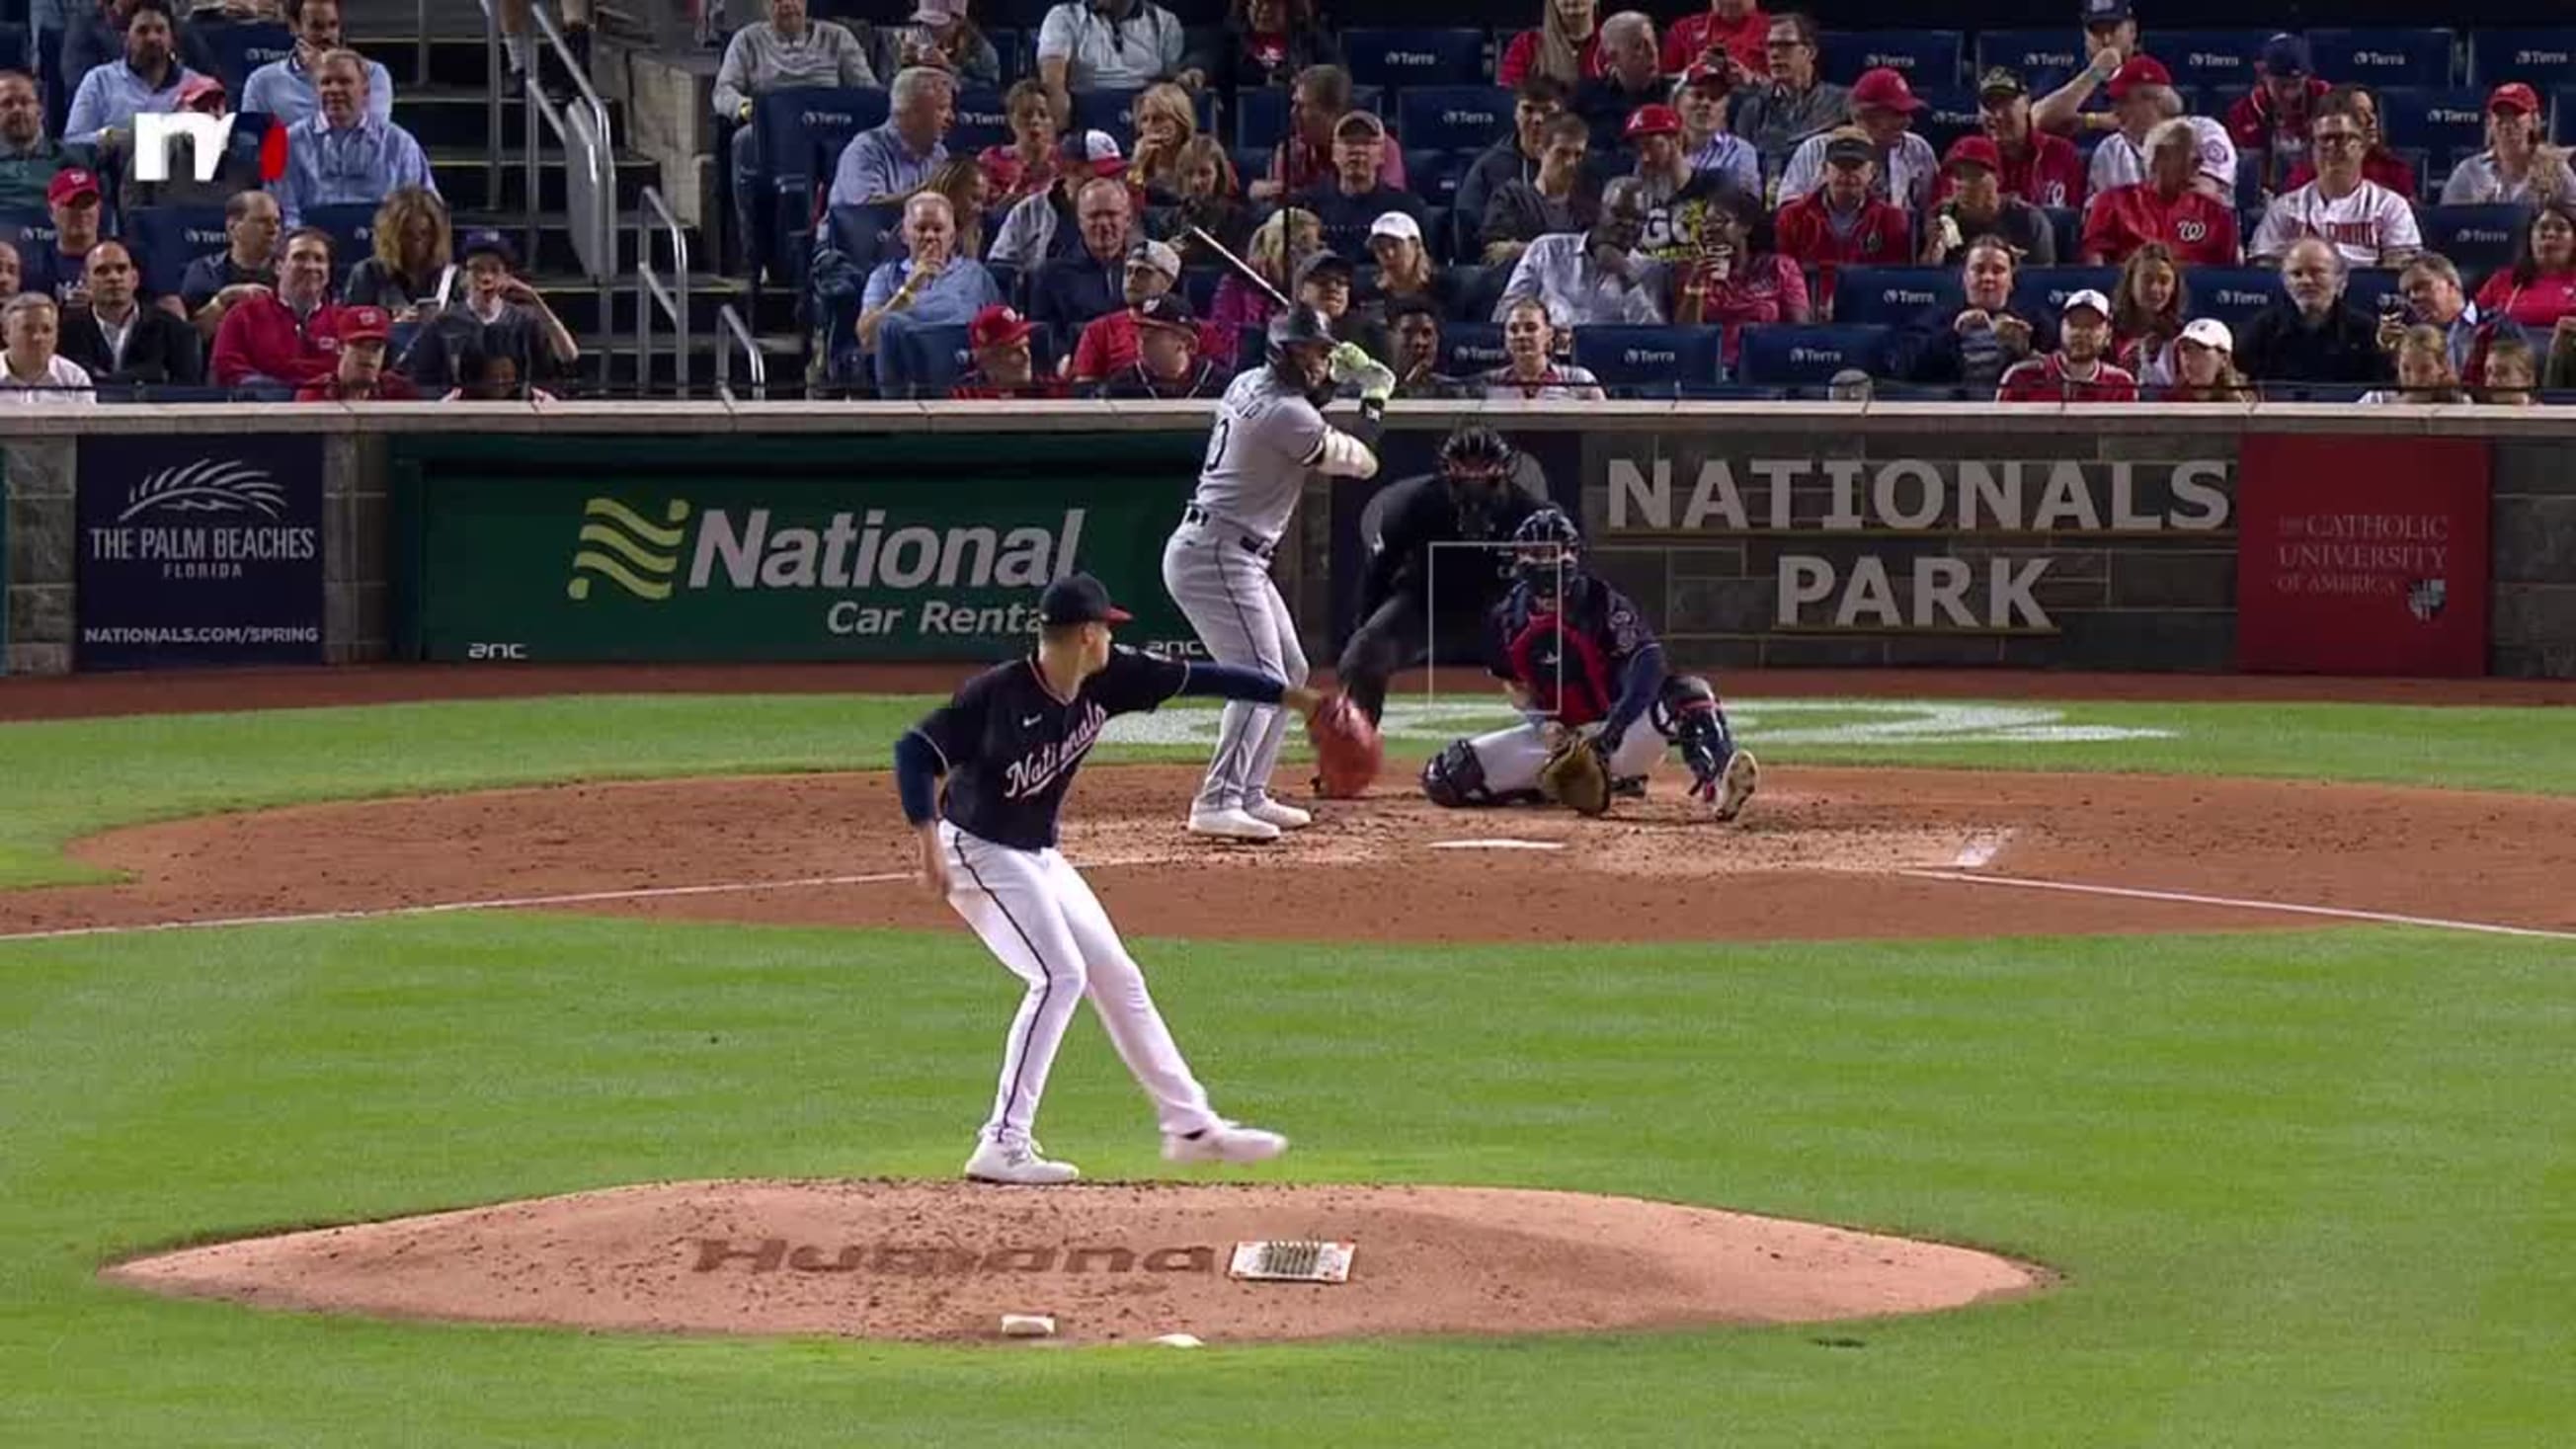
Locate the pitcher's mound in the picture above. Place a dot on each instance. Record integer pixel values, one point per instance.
(1110, 1263)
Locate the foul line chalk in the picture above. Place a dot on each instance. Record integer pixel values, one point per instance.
(1498, 844)
(2240, 903)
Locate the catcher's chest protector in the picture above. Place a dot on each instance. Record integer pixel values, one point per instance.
(1564, 668)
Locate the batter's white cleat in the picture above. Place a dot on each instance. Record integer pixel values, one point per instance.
(1736, 784)
(1224, 1142)
(1017, 1164)
(1231, 824)
(1280, 814)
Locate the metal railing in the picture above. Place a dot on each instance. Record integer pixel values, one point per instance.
(731, 332)
(672, 301)
(581, 127)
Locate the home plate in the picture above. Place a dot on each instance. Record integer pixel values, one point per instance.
(1498, 845)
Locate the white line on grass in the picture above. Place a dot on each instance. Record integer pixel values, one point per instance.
(2240, 903)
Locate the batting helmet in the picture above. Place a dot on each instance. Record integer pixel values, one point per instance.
(1301, 326)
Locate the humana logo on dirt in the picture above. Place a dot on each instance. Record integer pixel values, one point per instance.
(747, 550)
(769, 1255)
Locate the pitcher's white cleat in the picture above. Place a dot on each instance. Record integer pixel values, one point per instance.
(1224, 1142)
(1018, 1164)
(1279, 814)
(1736, 784)
(1233, 824)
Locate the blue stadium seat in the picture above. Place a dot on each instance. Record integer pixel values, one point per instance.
(1453, 118)
(1651, 360)
(1006, 280)
(864, 234)
(353, 235)
(2475, 238)
(1434, 176)
(2367, 285)
(167, 238)
(33, 230)
(2066, 228)
(2232, 294)
(1468, 348)
(2380, 56)
(1794, 355)
(1260, 117)
(2563, 107)
(1948, 113)
(2041, 291)
(1412, 57)
(981, 122)
(1479, 289)
(2044, 57)
(1251, 163)
(2218, 59)
(1923, 57)
(804, 130)
(919, 361)
(242, 48)
(1889, 296)
(2440, 121)
(1199, 284)
(1010, 53)
(2541, 59)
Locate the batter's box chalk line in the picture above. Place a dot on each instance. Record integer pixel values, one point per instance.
(1778, 722)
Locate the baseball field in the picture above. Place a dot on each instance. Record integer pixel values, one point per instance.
(2241, 1019)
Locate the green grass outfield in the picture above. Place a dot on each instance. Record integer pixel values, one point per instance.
(2309, 1188)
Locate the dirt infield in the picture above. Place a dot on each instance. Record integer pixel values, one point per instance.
(1109, 1264)
(1818, 857)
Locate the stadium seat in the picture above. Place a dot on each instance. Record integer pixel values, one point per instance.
(2475, 238)
(1948, 113)
(1260, 117)
(2219, 60)
(913, 362)
(803, 131)
(2542, 59)
(2041, 291)
(1412, 57)
(1923, 57)
(2563, 106)
(1010, 54)
(32, 230)
(1251, 163)
(2440, 121)
(167, 238)
(2232, 294)
(2066, 228)
(241, 48)
(1199, 285)
(1468, 348)
(2384, 56)
(1434, 176)
(1889, 296)
(2044, 57)
(1479, 289)
(2367, 285)
(1453, 118)
(1649, 360)
(353, 235)
(981, 121)
(1794, 355)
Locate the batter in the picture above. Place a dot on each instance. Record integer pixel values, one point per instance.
(1269, 434)
(1007, 745)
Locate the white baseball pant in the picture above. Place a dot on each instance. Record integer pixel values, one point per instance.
(1220, 576)
(1512, 758)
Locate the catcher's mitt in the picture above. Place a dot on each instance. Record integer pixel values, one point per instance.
(1348, 752)
(1576, 776)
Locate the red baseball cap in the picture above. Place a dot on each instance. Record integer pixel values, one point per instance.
(70, 182)
(2139, 70)
(1885, 89)
(365, 324)
(998, 326)
(2514, 96)
(197, 87)
(1653, 121)
(1974, 151)
(1703, 71)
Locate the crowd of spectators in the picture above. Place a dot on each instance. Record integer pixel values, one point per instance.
(1704, 174)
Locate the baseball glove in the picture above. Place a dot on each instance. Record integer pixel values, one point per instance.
(1348, 752)
(1576, 776)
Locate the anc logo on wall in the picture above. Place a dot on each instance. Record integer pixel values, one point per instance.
(627, 549)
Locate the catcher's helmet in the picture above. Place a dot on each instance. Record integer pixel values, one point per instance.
(1546, 543)
(1477, 450)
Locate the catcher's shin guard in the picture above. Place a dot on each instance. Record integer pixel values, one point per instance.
(1688, 714)
(1455, 777)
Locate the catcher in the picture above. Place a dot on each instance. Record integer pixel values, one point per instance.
(1579, 661)
(1474, 498)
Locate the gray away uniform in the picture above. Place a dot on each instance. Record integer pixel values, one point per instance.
(1267, 437)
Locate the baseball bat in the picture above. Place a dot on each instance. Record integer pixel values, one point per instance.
(1239, 266)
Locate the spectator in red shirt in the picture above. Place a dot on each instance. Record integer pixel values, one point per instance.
(1108, 343)
(360, 375)
(289, 336)
(1566, 46)
(2166, 207)
(2270, 122)
(1168, 364)
(2378, 163)
(1725, 277)
(1025, 166)
(2076, 371)
(2147, 311)
(1840, 222)
(2538, 291)
(1304, 158)
(2038, 168)
(1728, 30)
(1004, 367)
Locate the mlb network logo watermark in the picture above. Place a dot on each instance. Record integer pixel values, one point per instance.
(209, 139)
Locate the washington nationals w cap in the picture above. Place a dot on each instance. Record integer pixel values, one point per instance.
(2086, 300)
(1078, 599)
(2211, 333)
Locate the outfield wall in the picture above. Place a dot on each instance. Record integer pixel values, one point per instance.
(2356, 540)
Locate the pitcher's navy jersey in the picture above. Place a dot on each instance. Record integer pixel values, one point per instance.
(1009, 744)
(1572, 665)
